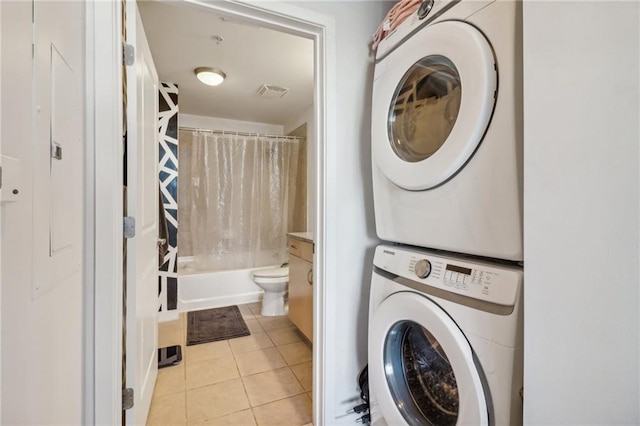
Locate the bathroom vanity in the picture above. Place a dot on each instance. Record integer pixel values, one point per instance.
(301, 281)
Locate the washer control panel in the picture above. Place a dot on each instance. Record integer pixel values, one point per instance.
(495, 283)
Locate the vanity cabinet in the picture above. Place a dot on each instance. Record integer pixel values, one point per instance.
(301, 285)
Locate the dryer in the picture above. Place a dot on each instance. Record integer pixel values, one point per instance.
(447, 129)
(445, 340)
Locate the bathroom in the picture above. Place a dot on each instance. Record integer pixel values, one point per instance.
(236, 173)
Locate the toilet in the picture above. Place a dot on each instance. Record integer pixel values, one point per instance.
(274, 282)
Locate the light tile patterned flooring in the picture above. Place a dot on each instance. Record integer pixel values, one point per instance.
(261, 379)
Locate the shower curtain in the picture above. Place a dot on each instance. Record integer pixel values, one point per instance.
(239, 201)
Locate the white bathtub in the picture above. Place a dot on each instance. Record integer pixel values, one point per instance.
(205, 289)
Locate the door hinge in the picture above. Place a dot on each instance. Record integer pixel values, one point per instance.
(0, 177)
(129, 227)
(128, 54)
(127, 399)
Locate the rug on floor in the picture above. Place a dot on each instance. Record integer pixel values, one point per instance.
(211, 325)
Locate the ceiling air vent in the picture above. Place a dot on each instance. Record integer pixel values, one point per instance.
(271, 91)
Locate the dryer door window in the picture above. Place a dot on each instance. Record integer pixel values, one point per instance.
(433, 98)
(424, 108)
(420, 376)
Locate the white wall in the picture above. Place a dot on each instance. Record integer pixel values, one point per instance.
(0, 219)
(215, 123)
(42, 331)
(307, 117)
(350, 234)
(581, 65)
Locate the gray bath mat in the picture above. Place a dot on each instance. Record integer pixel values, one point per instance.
(215, 324)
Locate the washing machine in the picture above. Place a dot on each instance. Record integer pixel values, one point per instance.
(447, 129)
(445, 340)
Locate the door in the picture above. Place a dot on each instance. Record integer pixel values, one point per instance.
(421, 366)
(433, 100)
(42, 204)
(142, 204)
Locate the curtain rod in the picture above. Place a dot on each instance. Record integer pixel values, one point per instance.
(226, 132)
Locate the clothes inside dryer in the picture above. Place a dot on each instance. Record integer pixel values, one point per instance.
(424, 108)
(420, 376)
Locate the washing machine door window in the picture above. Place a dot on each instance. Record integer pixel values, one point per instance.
(433, 100)
(420, 376)
(424, 108)
(421, 367)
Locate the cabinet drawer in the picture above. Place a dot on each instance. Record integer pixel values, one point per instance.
(301, 249)
(295, 247)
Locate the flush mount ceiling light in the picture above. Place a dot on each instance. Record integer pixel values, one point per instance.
(210, 76)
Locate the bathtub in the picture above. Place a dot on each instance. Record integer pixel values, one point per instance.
(205, 289)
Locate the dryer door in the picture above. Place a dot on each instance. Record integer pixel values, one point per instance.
(421, 367)
(432, 103)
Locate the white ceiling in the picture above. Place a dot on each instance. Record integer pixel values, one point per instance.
(180, 38)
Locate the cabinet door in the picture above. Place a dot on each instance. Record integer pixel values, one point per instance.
(301, 295)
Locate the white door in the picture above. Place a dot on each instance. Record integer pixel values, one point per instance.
(421, 366)
(142, 204)
(433, 100)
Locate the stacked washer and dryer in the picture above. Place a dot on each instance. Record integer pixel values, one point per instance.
(445, 318)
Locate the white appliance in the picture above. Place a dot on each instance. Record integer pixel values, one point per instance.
(445, 340)
(447, 129)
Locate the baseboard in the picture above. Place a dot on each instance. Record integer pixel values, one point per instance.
(165, 316)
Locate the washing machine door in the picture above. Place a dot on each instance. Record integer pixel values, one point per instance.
(433, 97)
(421, 366)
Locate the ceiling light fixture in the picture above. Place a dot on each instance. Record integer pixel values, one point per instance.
(210, 76)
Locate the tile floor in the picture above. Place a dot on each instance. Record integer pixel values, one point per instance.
(261, 379)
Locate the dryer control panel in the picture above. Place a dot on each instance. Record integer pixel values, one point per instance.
(482, 280)
(423, 16)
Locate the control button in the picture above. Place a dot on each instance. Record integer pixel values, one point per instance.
(422, 268)
(425, 8)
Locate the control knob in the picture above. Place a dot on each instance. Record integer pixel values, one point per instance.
(425, 8)
(422, 268)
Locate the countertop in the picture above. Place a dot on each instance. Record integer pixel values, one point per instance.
(304, 236)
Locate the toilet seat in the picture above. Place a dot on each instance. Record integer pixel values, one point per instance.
(272, 273)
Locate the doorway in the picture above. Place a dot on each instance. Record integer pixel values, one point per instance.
(278, 16)
(231, 210)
